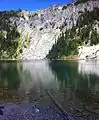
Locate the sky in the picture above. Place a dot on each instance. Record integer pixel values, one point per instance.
(29, 4)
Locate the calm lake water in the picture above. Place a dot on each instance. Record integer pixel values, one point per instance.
(72, 83)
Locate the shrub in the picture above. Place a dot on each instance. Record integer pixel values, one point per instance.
(80, 1)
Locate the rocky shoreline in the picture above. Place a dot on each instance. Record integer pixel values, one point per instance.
(35, 111)
(29, 112)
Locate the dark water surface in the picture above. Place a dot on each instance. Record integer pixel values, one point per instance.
(74, 84)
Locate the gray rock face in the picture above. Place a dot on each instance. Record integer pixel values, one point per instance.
(89, 52)
(43, 27)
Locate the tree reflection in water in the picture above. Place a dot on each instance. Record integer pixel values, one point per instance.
(9, 76)
(9, 80)
(75, 86)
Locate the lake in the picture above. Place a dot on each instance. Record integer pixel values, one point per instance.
(74, 84)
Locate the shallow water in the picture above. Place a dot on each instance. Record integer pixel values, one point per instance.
(72, 83)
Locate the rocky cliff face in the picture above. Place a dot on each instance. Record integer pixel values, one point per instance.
(41, 29)
(89, 52)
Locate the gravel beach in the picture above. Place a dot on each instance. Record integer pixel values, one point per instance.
(34, 111)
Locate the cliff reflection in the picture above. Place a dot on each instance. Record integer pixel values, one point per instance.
(25, 81)
(36, 76)
(90, 71)
(88, 67)
(35, 73)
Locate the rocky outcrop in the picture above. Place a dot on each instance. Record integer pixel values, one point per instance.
(89, 52)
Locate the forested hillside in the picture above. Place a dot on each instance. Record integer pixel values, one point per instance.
(84, 33)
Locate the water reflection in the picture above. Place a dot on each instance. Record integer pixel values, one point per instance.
(34, 73)
(9, 81)
(9, 76)
(88, 67)
(76, 75)
(69, 81)
(79, 81)
(25, 81)
(66, 72)
(36, 76)
(89, 71)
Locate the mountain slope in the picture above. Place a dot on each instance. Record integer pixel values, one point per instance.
(82, 38)
(36, 32)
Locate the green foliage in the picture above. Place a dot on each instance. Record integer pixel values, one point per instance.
(64, 7)
(5, 19)
(11, 43)
(88, 17)
(8, 35)
(94, 37)
(8, 45)
(80, 1)
(67, 44)
(22, 44)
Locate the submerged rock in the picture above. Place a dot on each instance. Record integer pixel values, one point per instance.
(1, 112)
